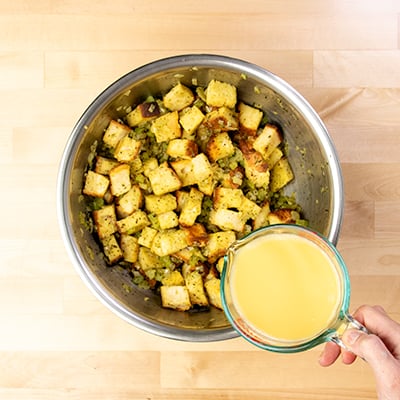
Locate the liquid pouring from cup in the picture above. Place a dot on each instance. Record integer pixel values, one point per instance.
(285, 288)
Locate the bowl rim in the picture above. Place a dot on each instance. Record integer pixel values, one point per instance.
(118, 87)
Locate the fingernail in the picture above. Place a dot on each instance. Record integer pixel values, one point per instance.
(351, 336)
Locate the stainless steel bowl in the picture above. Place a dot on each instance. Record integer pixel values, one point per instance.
(318, 181)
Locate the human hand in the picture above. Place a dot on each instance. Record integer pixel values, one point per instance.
(380, 348)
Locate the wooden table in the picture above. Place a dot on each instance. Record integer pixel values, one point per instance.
(56, 340)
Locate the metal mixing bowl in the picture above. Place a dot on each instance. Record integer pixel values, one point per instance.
(318, 181)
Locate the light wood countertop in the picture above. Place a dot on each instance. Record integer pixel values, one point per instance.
(59, 342)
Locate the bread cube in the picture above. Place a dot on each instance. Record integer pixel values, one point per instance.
(191, 119)
(182, 148)
(213, 290)
(274, 157)
(166, 127)
(249, 118)
(169, 242)
(105, 221)
(202, 169)
(262, 218)
(133, 223)
(191, 208)
(168, 220)
(175, 297)
(222, 119)
(173, 278)
(111, 249)
(217, 244)
(147, 236)
(160, 204)
(148, 260)
(130, 248)
(96, 185)
(256, 168)
(227, 198)
(281, 175)
(219, 146)
(283, 216)
(104, 165)
(149, 165)
(142, 113)
(206, 186)
(163, 180)
(184, 170)
(221, 94)
(194, 284)
(196, 235)
(129, 202)
(127, 149)
(120, 180)
(268, 140)
(227, 219)
(249, 209)
(114, 133)
(178, 98)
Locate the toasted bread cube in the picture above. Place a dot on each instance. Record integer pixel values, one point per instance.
(120, 180)
(148, 260)
(256, 168)
(184, 170)
(195, 286)
(114, 133)
(111, 249)
(218, 244)
(181, 199)
(274, 157)
(221, 94)
(175, 297)
(96, 185)
(127, 149)
(222, 119)
(227, 219)
(191, 119)
(178, 98)
(142, 113)
(283, 216)
(105, 221)
(173, 278)
(202, 169)
(168, 220)
(268, 140)
(133, 223)
(196, 235)
(227, 198)
(213, 290)
(149, 165)
(129, 202)
(219, 146)
(220, 265)
(249, 118)
(249, 208)
(147, 236)
(160, 204)
(182, 148)
(192, 208)
(166, 127)
(262, 217)
(169, 242)
(104, 165)
(163, 180)
(207, 186)
(130, 248)
(281, 174)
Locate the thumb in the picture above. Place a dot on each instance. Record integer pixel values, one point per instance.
(371, 348)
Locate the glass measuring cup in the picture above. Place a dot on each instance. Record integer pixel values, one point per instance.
(339, 318)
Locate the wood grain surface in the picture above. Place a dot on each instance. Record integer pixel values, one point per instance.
(56, 340)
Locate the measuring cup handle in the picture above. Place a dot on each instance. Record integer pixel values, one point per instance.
(348, 322)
